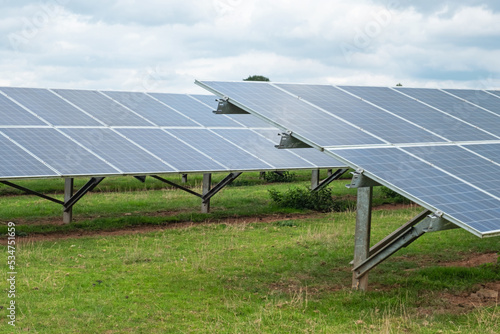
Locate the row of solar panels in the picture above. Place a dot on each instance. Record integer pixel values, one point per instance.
(440, 148)
(63, 133)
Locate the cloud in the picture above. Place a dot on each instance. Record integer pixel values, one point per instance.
(165, 45)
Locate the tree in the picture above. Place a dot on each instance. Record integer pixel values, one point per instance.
(256, 78)
(399, 85)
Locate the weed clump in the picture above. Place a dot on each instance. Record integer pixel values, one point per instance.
(388, 193)
(304, 198)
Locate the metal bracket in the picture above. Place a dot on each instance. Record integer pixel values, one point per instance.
(141, 178)
(360, 181)
(330, 179)
(287, 141)
(89, 186)
(218, 187)
(226, 108)
(402, 237)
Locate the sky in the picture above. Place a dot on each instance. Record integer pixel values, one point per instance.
(163, 46)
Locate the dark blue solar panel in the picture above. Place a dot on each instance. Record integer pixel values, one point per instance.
(292, 113)
(50, 107)
(220, 150)
(458, 108)
(419, 113)
(437, 189)
(102, 108)
(495, 92)
(17, 163)
(194, 110)
(60, 152)
(175, 152)
(151, 109)
(478, 97)
(463, 164)
(12, 114)
(376, 121)
(117, 150)
(489, 151)
(261, 147)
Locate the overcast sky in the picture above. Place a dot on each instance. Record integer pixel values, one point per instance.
(165, 45)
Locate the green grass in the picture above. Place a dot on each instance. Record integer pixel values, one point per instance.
(288, 276)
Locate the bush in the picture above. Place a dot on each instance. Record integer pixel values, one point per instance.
(304, 198)
(281, 177)
(388, 193)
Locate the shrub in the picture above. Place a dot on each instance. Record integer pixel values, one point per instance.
(281, 177)
(304, 198)
(388, 193)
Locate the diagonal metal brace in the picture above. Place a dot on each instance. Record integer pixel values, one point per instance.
(32, 192)
(176, 185)
(89, 186)
(219, 186)
(338, 173)
(227, 108)
(402, 238)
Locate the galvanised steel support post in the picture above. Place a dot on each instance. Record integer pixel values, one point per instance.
(362, 234)
(207, 184)
(184, 178)
(314, 179)
(329, 172)
(68, 194)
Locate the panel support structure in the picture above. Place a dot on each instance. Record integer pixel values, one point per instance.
(207, 184)
(184, 178)
(362, 235)
(227, 108)
(314, 179)
(287, 141)
(68, 193)
(332, 177)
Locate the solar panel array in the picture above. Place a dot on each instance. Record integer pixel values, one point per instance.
(440, 148)
(65, 133)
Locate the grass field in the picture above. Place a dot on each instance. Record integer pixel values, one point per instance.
(289, 273)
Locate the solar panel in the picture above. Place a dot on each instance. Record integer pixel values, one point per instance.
(467, 112)
(191, 108)
(129, 158)
(477, 97)
(64, 155)
(101, 107)
(151, 109)
(13, 114)
(289, 111)
(495, 92)
(431, 119)
(18, 163)
(362, 114)
(72, 136)
(49, 107)
(219, 149)
(458, 179)
(178, 154)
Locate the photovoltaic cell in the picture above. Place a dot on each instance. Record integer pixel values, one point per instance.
(489, 151)
(194, 110)
(220, 150)
(437, 189)
(290, 112)
(59, 152)
(151, 109)
(456, 107)
(117, 150)
(261, 147)
(420, 114)
(102, 108)
(18, 163)
(50, 107)
(495, 92)
(12, 114)
(378, 122)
